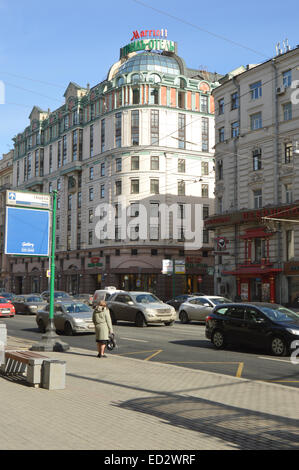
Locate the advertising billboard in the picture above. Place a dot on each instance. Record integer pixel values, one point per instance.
(27, 232)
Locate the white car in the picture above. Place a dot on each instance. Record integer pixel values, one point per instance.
(104, 294)
(198, 308)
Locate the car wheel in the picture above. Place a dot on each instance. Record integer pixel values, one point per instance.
(140, 320)
(218, 339)
(278, 346)
(113, 319)
(184, 317)
(68, 330)
(168, 323)
(41, 326)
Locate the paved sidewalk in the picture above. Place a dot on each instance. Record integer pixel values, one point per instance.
(125, 403)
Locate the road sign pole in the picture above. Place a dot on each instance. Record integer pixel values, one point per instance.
(50, 340)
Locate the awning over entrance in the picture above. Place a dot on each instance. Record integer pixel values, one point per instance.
(253, 271)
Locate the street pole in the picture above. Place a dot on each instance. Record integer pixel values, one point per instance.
(50, 340)
(173, 278)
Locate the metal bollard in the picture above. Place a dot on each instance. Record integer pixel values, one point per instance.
(53, 374)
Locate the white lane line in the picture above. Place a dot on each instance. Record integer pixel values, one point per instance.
(272, 359)
(133, 339)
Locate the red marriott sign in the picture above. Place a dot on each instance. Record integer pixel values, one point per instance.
(149, 33)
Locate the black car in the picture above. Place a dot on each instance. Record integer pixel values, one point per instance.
(176, 302)
(258, 324)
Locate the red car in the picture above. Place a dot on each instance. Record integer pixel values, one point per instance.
(6, 308)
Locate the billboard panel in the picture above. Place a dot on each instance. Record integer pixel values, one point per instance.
(28, 199)
(27, 232)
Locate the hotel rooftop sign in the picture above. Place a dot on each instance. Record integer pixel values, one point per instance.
(148, 40)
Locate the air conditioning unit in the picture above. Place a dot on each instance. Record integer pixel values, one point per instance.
(280, 90)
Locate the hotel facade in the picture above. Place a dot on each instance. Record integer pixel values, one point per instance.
(142, 138)
(257, 181)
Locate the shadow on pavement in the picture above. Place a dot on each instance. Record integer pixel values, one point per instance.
(238, 427)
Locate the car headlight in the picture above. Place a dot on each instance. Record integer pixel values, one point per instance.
(150, 312)
(293, 331)
(78, 320)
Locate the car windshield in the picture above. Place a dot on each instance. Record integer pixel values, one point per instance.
(61, 295)
(280, 313)
(34, 299)
(77, 308)
(4, 301)
(146, 299)
(221, 300)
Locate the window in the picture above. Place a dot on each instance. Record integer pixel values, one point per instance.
(154, 252)
(59, 154)
(135, 162)
(154, 127)
(154, 163)
(256, 121)
(58, 184)
(181, 188)
(205, 236)
(287, 78)
(102, 169)
(135, 186)
(288, 152)
(136, 96)
(221, 134)
(257, 198)
(181, 165)
(204, 190)
(90, 216)
(205, 168)
(290, 253)
(204, 104)
(79, 199)
(182, 131)
(91, 140)
(181, 99)
(181, 211)
(118, 188)
(205, 134)
(288, 193)
(50, 159)
(134, 209)
(259, 249)
(256, 90)
(205, 212)
(69, 223)
(134, 252)
(102, 135)
(50, 187)
(64, 149)
(74, 145)
(221, 106)
(118, 165)
(234, 101)
(220, 169)
(237, 313)
(102, 192)
(69, 202)
(153, 96)
(154, 186)
(287, 111)
(91, 194)
(91, 173)
(135, 127)
(118, 130)
(90, 238)
(235, 129)
(257, 159)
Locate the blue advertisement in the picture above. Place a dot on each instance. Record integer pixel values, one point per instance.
(27, 232)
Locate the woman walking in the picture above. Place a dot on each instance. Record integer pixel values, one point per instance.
(103, 326)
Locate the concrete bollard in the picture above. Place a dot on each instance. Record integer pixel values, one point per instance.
(3, 342)
(53, 374)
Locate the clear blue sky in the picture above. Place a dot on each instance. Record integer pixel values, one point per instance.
(62, 41)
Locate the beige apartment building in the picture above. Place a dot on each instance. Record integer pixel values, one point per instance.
(257, 181)
(6, 177)
(142, 138)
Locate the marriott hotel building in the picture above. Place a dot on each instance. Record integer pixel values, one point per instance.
(144, 136)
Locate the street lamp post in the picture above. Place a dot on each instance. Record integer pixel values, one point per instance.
(50, 340)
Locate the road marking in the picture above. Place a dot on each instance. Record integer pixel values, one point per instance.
(199, 362)
(153, 355)
(240, 370)
(272, 359)
(133, 339)
(137, 352)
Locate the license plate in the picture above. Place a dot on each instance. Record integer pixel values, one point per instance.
(91, 327)
(5, 311)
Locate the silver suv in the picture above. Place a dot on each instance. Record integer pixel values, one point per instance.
(143, 308)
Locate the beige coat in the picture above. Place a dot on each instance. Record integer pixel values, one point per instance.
(102, 321)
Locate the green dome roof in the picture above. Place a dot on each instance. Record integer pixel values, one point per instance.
(150, 62)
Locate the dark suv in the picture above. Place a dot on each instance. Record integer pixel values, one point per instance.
(257, 324)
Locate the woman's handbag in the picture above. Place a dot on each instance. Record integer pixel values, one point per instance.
(111, 343)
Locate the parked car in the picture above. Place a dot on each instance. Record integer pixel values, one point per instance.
(6, 308)
(70, 317)
(176, 302)
(58, 295)
(197, 308)
(8, 295)
(143, 308)
(85, 298)
(104, 294)
(258, 324)
(28, 304)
